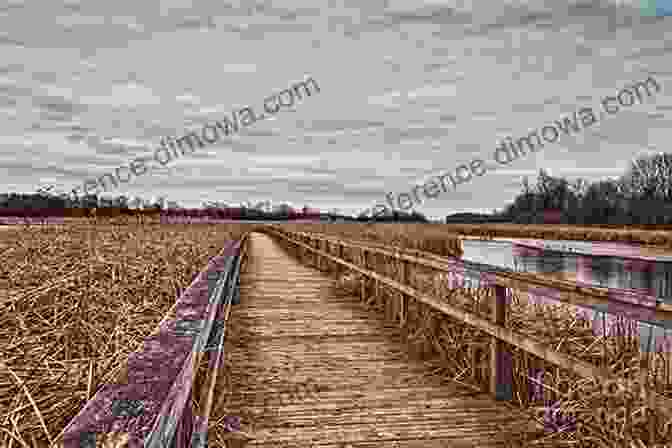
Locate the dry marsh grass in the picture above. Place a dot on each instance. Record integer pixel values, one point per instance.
(434, 239)
(76, 300)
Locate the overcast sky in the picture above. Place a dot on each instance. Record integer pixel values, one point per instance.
(408, 89)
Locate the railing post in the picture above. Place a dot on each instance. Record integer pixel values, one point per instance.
(316, 261)
(501, 369)
(474, 364)
(403, 271)
(403, 312)
(325, 248)
(407, 274)
(403, 298)
(341, 269)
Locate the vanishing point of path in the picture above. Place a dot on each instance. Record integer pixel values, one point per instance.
(311, 367)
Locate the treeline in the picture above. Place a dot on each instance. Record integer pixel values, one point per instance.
(642, 196)
(244, 213)
(285, 212)
(475, 218)
(45, 199)
(44, 204)
(393, 216)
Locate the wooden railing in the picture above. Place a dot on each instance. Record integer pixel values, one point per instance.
(330, 250)
(629, 303)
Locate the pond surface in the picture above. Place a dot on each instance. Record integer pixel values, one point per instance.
(637, 271)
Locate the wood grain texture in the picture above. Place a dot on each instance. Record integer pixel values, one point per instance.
(308, 366)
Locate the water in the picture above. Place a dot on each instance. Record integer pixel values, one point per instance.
(653, 277)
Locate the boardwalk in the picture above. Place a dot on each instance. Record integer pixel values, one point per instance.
(311, 367)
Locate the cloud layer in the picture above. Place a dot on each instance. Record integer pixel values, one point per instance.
(409, 90)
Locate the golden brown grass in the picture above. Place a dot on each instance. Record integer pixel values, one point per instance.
(75, 300)
(434, 239)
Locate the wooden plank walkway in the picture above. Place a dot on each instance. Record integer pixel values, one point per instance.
(311, 367)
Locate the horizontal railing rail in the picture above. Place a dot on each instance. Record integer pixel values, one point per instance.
(643, 307)
(215, 349)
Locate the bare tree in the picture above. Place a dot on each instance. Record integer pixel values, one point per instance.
(579, 187)
(650, 177)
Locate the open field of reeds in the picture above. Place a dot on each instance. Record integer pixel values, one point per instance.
(75, 300)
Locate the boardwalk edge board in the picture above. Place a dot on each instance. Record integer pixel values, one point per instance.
(146, 404)
(579, 367)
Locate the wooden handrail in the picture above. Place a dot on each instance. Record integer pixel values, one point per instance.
(206, 399)
(563, 291)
